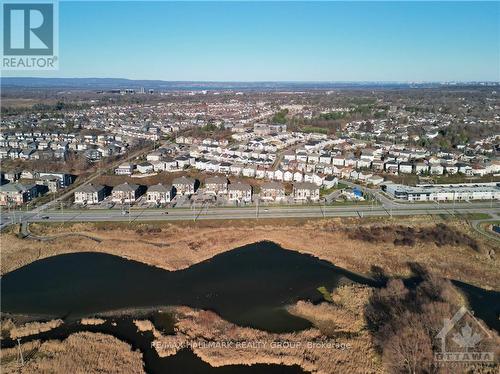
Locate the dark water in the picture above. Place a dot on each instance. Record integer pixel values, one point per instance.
(185, 361)
(249, 286)
(484, 303)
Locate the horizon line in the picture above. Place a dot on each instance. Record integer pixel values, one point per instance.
(262, 81)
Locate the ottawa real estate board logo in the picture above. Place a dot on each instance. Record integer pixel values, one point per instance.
(463, 341)
(30, 35)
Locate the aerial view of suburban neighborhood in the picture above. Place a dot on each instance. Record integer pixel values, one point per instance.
(254, 225)
(130, 149)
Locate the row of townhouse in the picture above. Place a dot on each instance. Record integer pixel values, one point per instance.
(125, 193)
(269, 192)
(32, 154)
(438, 169)
(16, 194)
(237, 192)
(30, 146)
(165, 164)
(328, 164)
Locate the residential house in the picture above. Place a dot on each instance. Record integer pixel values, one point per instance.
(421, 168)
(278, 175)
(249, 171)
(363, 164)
(406, 167)
(338, 160)
(377, 165)
(240, 192)
(451, 169)
(272, 191)
(437, 169)
(125, 169)
(288, 176)
(145, 167)
(89, 194)
(330, 182)
(392, 167)
(15, 194)
(216, 185)
(125, 193)
(325, 159)
(184, 185)
(375, 180)
(298, 176)
(160, 194)
(305, 191)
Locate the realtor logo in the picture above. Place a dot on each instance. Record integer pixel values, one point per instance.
(464, 340)
(29, 35)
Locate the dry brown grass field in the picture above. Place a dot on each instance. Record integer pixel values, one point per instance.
(80, 353)
(209, 337)
(450, 250)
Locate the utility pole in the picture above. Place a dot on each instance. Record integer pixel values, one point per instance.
(21, 358)
(257, 209)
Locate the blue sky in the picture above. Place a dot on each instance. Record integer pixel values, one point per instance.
(279, 41)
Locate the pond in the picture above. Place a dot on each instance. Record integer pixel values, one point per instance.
(249, 286)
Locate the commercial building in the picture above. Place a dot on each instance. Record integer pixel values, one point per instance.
(450, 192)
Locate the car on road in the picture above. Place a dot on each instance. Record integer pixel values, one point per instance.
(45, 217)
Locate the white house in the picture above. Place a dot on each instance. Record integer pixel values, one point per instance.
(124, 169)
(298, 176)
(330, 182)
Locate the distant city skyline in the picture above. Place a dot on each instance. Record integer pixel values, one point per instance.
(279, 41)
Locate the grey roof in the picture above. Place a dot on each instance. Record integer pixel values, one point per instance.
(13, 187)
(160, 188)
(305, 186)
(216, 180)
(90, 188)
(183, 180)
(126, 187)
(272, 186)
(239, 186)
(49, 177)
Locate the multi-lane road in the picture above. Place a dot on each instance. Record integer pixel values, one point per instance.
(309, 211)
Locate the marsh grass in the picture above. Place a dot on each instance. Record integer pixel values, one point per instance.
(325, 293)
(83, 352)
